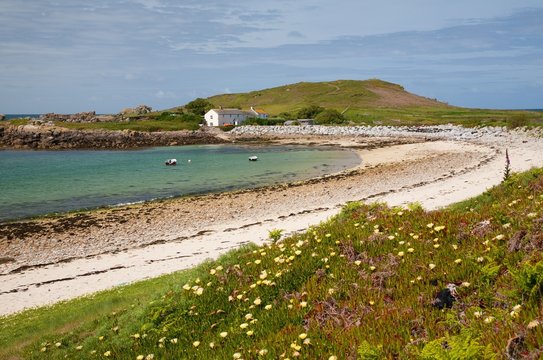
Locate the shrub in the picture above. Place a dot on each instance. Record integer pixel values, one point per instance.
(330, 116)
(530, 280)
(462, 346)
(275, 234)
(368, 352)
(518, 120)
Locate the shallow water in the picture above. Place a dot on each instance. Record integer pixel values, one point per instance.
(42, 182)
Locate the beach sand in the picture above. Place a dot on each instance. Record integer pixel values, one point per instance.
(49, 260)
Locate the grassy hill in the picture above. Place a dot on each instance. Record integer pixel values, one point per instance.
(363, 285)
(339, 95)
(372, 102)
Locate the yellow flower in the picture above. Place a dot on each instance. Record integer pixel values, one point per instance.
(237, 356)
(410, 250)
(333, 357)
(489, 319)
(303, 304)
(268, 307)
(372, 268)
(248, 316)
(457, 261)
(257, 301)
(262, 352)
(223, 334)
(358, 262)
(295, 346)
(513, 314)
(250, 333)
(439, 228)
(173, 341)
(307, 341)
(371, 302)
(302, 336)
(499, 237)
(455, 247)
(244, 325)
(107, 353)
(478, 314)
(212, 271)
(431, 266)
(140, 357)
(436, 246)
(401, 253)
(79, 347)
(430, 225)
(196, 344)
(258, 261)
(60, 344)
(212, 344)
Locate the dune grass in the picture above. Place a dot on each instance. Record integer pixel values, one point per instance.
(361, 284)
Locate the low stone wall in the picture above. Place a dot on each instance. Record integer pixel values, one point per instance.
(40, 137)
(431, 132)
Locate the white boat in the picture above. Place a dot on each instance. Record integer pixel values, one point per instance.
(253, 158)
(171, 162)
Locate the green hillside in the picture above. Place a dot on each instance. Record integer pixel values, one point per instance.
(370, 102)
(339, 94)
(363, 285)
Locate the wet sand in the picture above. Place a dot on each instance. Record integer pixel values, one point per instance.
(49, 260)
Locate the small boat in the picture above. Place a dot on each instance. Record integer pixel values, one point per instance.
(171, 162)
(253, 158)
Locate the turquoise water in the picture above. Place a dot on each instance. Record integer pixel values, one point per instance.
(42, 182)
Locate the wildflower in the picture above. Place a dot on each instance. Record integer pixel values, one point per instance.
(223, 334)
(244, 325)
(250, 333)
(517, 307)
(331, 291)
(263, 275)
(257, 301)
(499, 237)
(439, 228)
(358, 262)
(237, 356)
(419, 278)
(298, 252)
(140, 357)
(410, 250)
(212, 344)
(60, 344)
(303, 304)
(115, 329)
(455, 247)
(268, 307)
(173, 341)
(401, 253)
(431, 266)
(199, 291)
(371, 302)
(489, 319)
(372, 268)
(262, 352)
(186, 287)
(430, 225)
(258, 261)
(295, 346)
(219, 268)
(532, 215)
(79, 347)
(478, 314)
(328, 235)
(400, 213)
(534, 323)
(457, 261)
(513, 314)
(212, 271)
(401, 242)
(107, 353)
(196, 344)
(248, 316)
(333, 357)
(307, 341)
(480, 259)
(507, 225)
(436, 246)
(302, 336)
(465, 284)
(391, 237)
(150, 357)
(43, 349)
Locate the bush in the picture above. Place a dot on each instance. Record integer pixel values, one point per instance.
(330, 116)
(199, 106)
(309, 112)
(530, 280)
(462, 346)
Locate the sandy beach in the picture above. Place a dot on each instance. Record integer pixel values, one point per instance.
(50, 260)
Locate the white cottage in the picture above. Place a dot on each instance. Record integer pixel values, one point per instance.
(221, 117)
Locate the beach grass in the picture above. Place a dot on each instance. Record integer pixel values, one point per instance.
(362, 285)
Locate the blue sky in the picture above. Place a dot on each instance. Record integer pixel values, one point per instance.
(69, 56)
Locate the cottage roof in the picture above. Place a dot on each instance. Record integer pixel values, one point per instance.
(230, 111)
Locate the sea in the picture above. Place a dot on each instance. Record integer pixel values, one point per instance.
(35, 183)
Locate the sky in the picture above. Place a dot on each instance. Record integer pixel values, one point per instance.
(68, 56)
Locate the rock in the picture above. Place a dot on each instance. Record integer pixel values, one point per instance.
(515, 348)
(445, 297)
(2, 117)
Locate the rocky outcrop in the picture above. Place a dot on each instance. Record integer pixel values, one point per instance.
(138, 110)
(45, 137)
(2, 117)
(83, 117)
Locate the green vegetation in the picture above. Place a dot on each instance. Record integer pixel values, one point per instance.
(160, 121)
(361, 284)
(199, 106)
(371, 102)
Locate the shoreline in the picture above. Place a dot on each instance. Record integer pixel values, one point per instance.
(151, 239)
